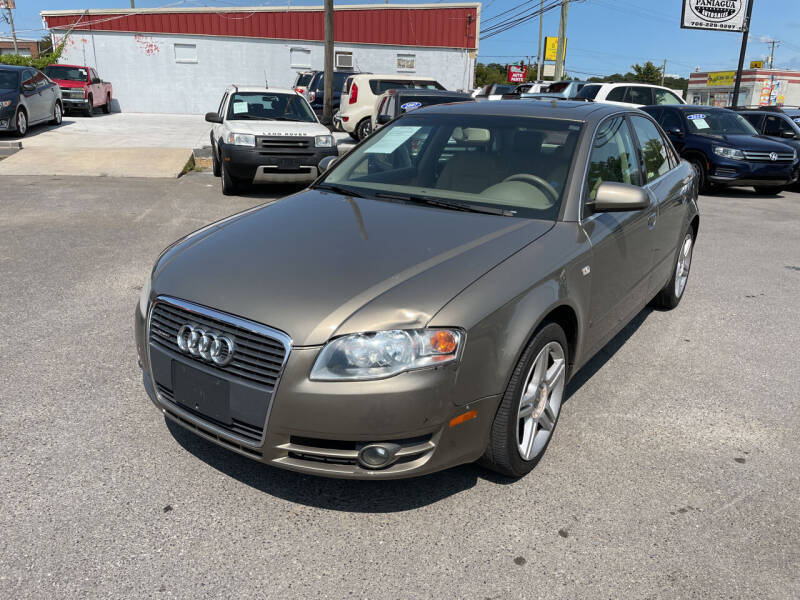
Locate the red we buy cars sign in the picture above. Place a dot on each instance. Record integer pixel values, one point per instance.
(517, 73)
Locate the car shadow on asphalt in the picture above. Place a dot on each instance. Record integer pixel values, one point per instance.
(371, 496)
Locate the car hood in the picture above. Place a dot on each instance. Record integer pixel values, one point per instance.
(317, 263)
(65, 83)
(8, 94)
(756, 143)
(277, 128)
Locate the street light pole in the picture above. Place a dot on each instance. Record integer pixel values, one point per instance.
(745, 33)
(327, 100)
(562, 32)
(539, 52)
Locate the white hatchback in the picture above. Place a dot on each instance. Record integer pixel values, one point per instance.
(629, 93)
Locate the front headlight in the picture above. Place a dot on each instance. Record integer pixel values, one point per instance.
(241, 139)
(324, 141)
(725, 152)
(381, 354)
(144, 297)
(5, 103)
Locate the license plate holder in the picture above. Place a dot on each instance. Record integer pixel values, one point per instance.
(201, 392)
(288, 163)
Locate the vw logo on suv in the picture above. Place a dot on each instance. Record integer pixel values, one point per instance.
(773, 156)
(211, 347)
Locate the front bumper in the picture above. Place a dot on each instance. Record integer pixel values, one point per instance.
(734, 173)
(258, 165)
(318, 427)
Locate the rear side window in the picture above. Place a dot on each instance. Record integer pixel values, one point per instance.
(654, 149)
(617, 94)
(665, 97)
(303, 79)
(775, 125)
(639, 95)
(613, 158)
(428, 85)
(589, 92)
(378, 86)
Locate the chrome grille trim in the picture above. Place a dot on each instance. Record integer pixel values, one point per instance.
(764, 156)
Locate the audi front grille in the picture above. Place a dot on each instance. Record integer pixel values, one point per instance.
(258, 358)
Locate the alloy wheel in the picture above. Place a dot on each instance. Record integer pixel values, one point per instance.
(22, 123)
(684, 263)
(58, 114)
(541, 400)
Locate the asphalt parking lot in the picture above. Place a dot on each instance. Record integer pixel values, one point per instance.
(674, 472)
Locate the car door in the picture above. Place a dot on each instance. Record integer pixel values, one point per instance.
(40, 103)
(46, 89)
(780, 128)
(621, 241)
(672, 123)
(98, 96)
(668, 189)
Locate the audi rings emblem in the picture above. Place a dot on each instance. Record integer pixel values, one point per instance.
(205, 344)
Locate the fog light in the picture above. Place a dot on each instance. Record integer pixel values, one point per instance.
(376, 456)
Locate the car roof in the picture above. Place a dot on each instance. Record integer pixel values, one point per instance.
(260, 90)
(73, 66)
(632, 83)
(693, 107)
(427, 92)
(553, 109)
(397, 76)
(14, 68)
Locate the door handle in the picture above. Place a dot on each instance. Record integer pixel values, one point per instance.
(651, 220)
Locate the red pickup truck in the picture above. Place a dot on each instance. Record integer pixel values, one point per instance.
(81, 88)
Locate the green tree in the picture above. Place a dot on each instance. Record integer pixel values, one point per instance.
(649, 73)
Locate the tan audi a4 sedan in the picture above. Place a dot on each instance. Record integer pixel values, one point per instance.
(425, 301)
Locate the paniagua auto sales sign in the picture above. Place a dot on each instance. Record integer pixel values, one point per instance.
(722, 15)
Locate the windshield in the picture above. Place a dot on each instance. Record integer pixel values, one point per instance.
(269, 107)
(9, 80)
(558, 87)
(504, 89)
(66, 73)
(719, 122)
(515, 164)
(409, 102)
(589, 92)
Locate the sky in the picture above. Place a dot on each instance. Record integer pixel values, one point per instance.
(605, 36)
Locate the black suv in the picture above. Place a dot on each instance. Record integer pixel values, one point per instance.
(315, 91)
(779, 124)
(725, 149)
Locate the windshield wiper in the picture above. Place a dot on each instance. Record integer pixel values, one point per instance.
(463, 206)
(339, 189)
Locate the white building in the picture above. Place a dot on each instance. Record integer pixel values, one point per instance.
(180, 60)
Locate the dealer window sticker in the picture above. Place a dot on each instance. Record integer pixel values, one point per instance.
(390, 142)
(697, 116)
(239, 108)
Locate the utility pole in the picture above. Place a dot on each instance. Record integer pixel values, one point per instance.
(562, 32)
(10, 19)
(539, 53)
(133, 4)
(663, 71)
(327, 101)
(745, 32)
(772, 53)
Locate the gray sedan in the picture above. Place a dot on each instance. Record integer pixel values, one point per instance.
(27, 97)
(425, 302)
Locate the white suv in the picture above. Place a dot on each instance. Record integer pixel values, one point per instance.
(629, 93)
(360, 92)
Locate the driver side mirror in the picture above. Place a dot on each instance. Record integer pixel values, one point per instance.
(97, 80)
(383, 119)
(788, 134)
(213, 117)
(618, 197)
(28, 87)
(676, 131)
(326, 163)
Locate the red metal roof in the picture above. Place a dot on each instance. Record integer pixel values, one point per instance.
(436, 25)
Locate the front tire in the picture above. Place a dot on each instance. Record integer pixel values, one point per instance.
(90, 110)
(700, 173)
(670, 295)
(21, 123)
(528, 413)
(107, 105)
(215, 168)
(58, 114)
(230, 186)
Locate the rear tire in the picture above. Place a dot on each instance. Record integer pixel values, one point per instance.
(230, 186)
(527, 417)
(364, 128)
(670, 295)
(107, 105)
(768, 190)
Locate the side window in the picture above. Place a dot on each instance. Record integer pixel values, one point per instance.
(756, 121)
(27, 77)
(613, 158)
(654, 151)
(93, 75)
(391, 104)
(775, 125)
(665, 97)
(639, 95)
(39, 80)
(617, 94)
(670, 121)
(222, 104)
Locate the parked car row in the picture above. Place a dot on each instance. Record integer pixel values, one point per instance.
(29, 96)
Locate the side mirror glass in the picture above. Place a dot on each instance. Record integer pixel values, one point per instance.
(788, 134)
(326, 163)
(618, 197)
(676, 131)
(28, 87)
(383, 119)
(213, 117)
